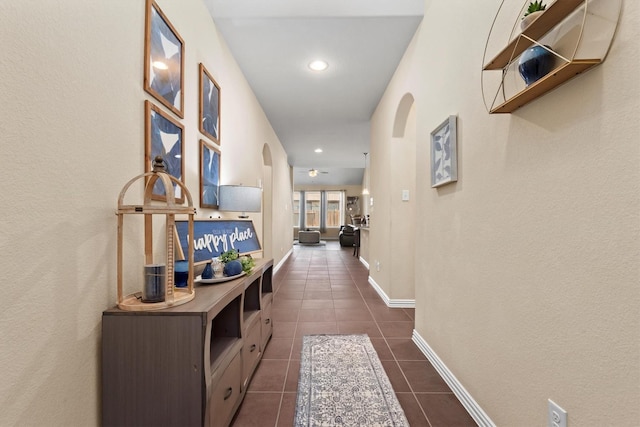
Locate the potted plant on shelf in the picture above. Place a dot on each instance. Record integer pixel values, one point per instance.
(535, 9)
(538, 60)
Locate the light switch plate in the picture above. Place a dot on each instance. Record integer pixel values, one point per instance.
(405, 195)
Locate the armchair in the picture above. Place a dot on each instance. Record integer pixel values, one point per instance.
(347, 235)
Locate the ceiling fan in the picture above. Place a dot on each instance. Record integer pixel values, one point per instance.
(314, 172)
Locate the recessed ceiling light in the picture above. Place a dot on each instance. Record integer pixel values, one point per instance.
(318, 65)
(318, 150)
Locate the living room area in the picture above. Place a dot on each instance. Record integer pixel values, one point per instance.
(328, 213)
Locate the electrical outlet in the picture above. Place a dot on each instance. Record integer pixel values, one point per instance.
(377, 265)
(557, 417)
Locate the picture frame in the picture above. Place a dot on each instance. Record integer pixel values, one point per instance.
(444, 157)
(210, 161)
(164, 137)
(209, 106)
(163, 60)
(353, 205)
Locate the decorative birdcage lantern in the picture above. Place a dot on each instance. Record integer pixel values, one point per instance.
(158, 275)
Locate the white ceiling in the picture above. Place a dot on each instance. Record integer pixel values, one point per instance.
(363, 42)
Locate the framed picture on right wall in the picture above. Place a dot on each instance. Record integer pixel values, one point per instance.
(444, 159)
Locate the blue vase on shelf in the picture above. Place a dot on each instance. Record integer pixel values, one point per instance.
(535, 63)
(207, 273)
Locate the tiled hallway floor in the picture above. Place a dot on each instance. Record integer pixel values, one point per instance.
(324, 290)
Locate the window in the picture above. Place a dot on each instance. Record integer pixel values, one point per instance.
(312, 209)
(296, 209)
(334, 208)
(318, 209)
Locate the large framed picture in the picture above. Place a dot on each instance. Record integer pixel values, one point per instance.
(444, 160)
(163, 60)
(209, 106)
(209, 175)
(163, 137)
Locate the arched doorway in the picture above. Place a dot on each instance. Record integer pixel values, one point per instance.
(403, 203)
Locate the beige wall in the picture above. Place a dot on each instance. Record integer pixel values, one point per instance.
(527, 286)
(72, 136)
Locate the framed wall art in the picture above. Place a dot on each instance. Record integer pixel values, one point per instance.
(209, 175)
(163, 60)
(209, 106)
(353, 205)
(444, 160)
(163, 137)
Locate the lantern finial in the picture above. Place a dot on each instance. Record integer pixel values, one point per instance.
(159, 165)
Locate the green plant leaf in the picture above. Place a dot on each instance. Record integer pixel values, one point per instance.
(535, 6)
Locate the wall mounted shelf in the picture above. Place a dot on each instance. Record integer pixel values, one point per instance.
(574, 29)
(553, 79)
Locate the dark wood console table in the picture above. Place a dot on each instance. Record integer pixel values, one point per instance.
(188, 365)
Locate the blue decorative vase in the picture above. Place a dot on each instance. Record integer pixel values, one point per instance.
(535, 63)
(181, 273)
(207, 273)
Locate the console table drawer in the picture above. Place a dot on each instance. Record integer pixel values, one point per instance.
(251, 353)
(226, 394)
(267, 324)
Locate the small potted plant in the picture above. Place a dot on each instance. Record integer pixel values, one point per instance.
(535, 9)
(234, 264)
(247, 263)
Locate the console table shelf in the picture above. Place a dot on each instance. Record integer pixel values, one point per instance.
(220, 348)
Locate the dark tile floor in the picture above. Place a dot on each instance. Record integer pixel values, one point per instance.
(324, 290)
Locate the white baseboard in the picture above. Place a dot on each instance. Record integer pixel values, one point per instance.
(282, 261)
(402, 303)
(364, 262)
(472, 407)
(393, 303)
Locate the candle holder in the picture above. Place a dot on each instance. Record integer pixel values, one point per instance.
(157, 290)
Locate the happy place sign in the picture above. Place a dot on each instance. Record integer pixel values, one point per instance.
(211, 237)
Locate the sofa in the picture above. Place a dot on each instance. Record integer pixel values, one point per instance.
(347, 235)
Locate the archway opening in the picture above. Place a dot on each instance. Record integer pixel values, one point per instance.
(403, 202)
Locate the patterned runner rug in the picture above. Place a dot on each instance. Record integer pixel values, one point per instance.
(343, 383)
